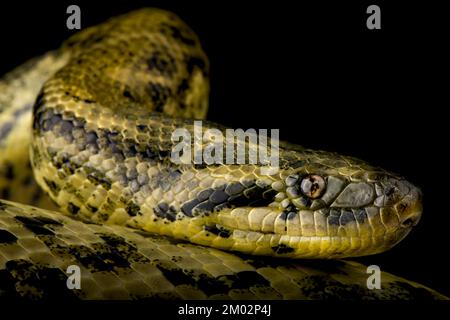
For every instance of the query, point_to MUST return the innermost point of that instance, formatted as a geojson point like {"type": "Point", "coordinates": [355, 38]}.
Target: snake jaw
{"type": "Point", "coordinates": [351, 218]}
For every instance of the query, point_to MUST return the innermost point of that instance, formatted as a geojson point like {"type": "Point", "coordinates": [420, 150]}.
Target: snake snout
{"type": "Point", "coordinates": [410, 207]}
{"type": "Point", "coordinates": [403, 197]}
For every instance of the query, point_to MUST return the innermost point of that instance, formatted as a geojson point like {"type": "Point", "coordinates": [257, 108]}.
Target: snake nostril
{"type": "Point", "coordinates": [412, 220]}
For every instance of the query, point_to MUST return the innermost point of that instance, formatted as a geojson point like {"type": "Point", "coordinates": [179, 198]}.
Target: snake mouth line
{"type": "Point", "coordinates": [325, 246]}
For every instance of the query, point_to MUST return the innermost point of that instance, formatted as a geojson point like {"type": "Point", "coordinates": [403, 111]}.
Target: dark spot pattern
{"type": "Point", "coordinates": [321, 287]}
{"type": "Point", "coordinates": [232, 195]}
{"type": "Point", "coordinates": [108, 140]}
{"type": "Point", "coordinates": [7, 237]}
{"type": "Point", "coordinates": [111, 255]}
{"type": "Point", "coordinates": [182, 34]}
{"type": "Point", "coordinates": [347, 217]}
{"type": "Point", "coordinates": [159, 95]}
{"type": "Point", "coordinates": [282, 249]}
{"type": "Point", "coordinates": [218, 230]}
{"type": "Point", "coordinates": [289, 213]}
{"type": "Point", "coordinates": [163, 210]}
{"type": "Point", "coordinates": [25, 279]}
{"type": "Point", "coordinates": [97, 177]}
{"type": "Point", "coordinates": [333, 218]}
{"type": "Point", "coordinates": [8, 170]}
{"type": "Point", "coordinates": [73, 209]}
{"type": "Point", "coordinates": [165, 64]}
{"type": "Point", "coordinates": [196, 63]}
{"type": "Point", "coordinates": [54, 188]}
{"type": "Point", "coordinates": [39, 225]}
{"type": "Point", "coordinates": [244, 280]}
{"type": "Point", "coordinates": [133, 209]}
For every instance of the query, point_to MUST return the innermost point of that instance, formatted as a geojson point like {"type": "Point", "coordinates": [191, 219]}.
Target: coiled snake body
{"type": "Point", "coordinates": [101, 111]}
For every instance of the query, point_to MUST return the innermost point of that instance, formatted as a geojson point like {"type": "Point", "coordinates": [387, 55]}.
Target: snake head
{"type": "Point", "coordinates": [325, 205]}
{"type": "Point", "coordinates": [347, 207]}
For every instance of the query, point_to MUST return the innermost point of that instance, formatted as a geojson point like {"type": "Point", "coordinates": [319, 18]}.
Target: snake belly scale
{"type": "Point", "coordinates": [90, 126]}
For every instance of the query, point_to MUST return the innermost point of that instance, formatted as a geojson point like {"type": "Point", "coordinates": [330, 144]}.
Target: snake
{"type": "Point", "coordinates": [87, 179]}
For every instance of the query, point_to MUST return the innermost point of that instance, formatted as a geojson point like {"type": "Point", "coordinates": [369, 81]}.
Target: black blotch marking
{"type": "Point", "coordinates": [183, 35]}
{"type": "Point", "coordinates": [38, 104]}
{"type": "Point", "coordinates": [163, 63]}
{"type": "Point", "coordinates": [347, 217]}
{"type": "Point", "coordinates": [97, 177]}
{"type": "Point", "coordinates": [54, 188]}
{"type": "Point", "coordinates": [204, 194]}
{"type": "Point", "coordinates": [234, 188]}
{"type": "Point", "coordinates": [8, 286]}
{"type": "Point", "coordinates": [7, 237]}
{"type": "Point", "coordinates": [159, 95]}
{"type": "Point", "coordinates": [244, 280]}
{"type": "Point", "coordinates": [38, 225]}
{"type": "Point", "coordinates": [282, 249]}
{"type": "Point", "coordinates": [9, 171]}
{"type": "Point", "coordinates": [289, 212]}
{"type": "Point", "coordinates": [196, 62]}
{"type": "Point", "coordinates": [405, 291]}
{"type": "Point", "coordinates": [252, 195]}
{"type": "Point", "coordinates": [133, 209]}
{"type": "Point", "coordinates": [142, 127]}
{"type": "Point", "coordinates": [91, 208]}
{"type": "Point", "coordinates": [284, 215]}
{"type": "Point", "coordinates": [45, 220]}
{"type": "Point", "coordinates": [305, 201]}
{"type": "Point", "coordinates": [204, 207]}
{"type": "Point", "coordinates": [211, 286]}
{"type": "Point", "coordinates": [216, 199]}
{"type": "Point", "coordinates": [333, 218]}
{"type": "Point", "coordinates": [248, 279]}
{"type": "Point", "coordinates": [127, 94]}
{"type": "Point", "coordinates": [183, 87]}
{"type": "Point", "coordinates": [218, 230]}
{"type": "Point", "coordinates": [187, 207]}
{"type": "Point", "coordinates": [47, 283]}
{"type": "Point", "coordinates": [4, 194]}
{"type": "Point", "coordinates": [200, 166]}
{"type": "Point", "coordinates": [62, 161]}
{"type": "Point", "coordinates": [269, 194]}
{"type": "Point", "coordinates": [109, 255]}
{"type": "Point", "coordinates": [88, 101]}
{"type": "Point", "coordinates": [73, 209]}
{"type": "Point", "coordinates": [176, 276]}
{"type": "Point", "coordinates": [218, 196]}
{"type": "Point", "coordinates": [322, 287]}
{"type": "Point", "coordinates": [163, 210]}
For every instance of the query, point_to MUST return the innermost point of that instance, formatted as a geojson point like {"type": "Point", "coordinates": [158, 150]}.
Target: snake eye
{"type": "Point", "coordinates": [313, 186]}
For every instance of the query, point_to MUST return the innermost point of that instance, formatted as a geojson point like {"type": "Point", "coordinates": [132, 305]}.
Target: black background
{"type": "Point", "coordinates": [319, 75]}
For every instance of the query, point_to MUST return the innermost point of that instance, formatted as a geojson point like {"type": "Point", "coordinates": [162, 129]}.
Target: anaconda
{"type": "Point", "coordinates": [90, 125]}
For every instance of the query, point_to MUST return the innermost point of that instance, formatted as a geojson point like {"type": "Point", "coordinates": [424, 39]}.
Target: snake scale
{"type": "Point", "coordinates": [88, 127]}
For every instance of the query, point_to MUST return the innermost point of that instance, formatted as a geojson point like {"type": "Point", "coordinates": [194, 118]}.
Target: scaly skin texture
{"type": "Point", "coordinates": [100, 147]}
{"type": "Point", "coordinates": [37, 247]}
{"type": "Point", "coordinates": [102, 142]}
